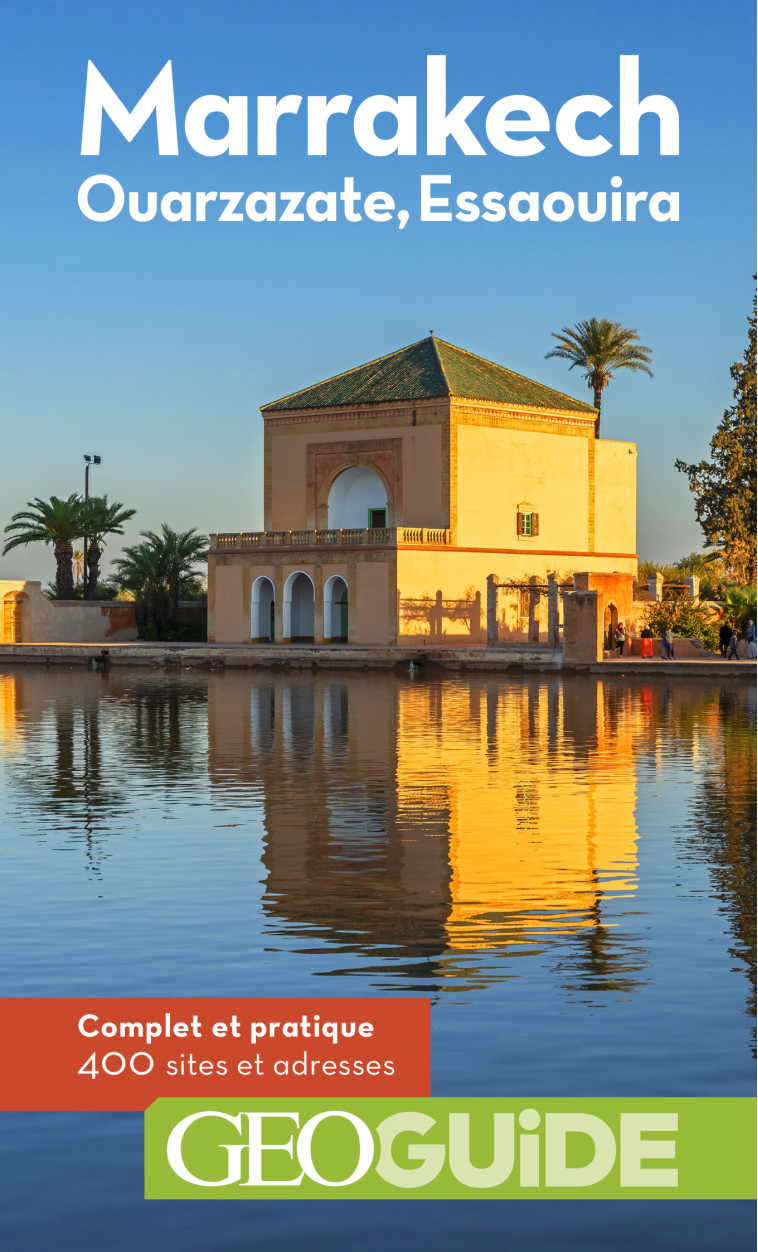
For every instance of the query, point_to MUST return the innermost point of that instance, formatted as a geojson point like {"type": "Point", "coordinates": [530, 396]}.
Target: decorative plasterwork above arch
{"type": "Point", "coordinates": [325, 461]}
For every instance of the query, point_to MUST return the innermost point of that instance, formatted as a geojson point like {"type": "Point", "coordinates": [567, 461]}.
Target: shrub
{"type": "Point", "coordinates": [685, 618]}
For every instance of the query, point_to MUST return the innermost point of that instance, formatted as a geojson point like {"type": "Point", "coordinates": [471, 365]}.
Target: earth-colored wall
{"type": "Point", "coordinates": [419, 498]}
{"type": "Point", "coordinates": [67, 621]}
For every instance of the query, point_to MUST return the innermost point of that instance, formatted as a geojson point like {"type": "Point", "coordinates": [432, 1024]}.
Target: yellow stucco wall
{"type": "Point", "coordinates": [500, 468]}
{"type": "Point", "coordinates": [615, 496]}
{"type": "Point", "coordinates": [459, 575]}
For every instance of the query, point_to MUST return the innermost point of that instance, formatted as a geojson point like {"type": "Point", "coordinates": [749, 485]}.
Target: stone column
{"type": "Point", "coordinates": [278, 581]}
{"type": "Point", "coordinates": [534, 610]}
{"type": "Point", "coordinates": [552, 611]}
{"type": "Point", "coordinates": [693, 587]}
{"type": "Point", "coordinates": [317, 573]}
{"type": "Point", "coordinates": [491, 609]}
{"type": "Point", "coordinates": [582, 636]}
{"type": "Point", "coordinates": [655, 586]}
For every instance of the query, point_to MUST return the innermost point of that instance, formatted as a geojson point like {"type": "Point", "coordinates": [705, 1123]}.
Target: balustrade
{"type": "Point", "coordinates": [349, 537]}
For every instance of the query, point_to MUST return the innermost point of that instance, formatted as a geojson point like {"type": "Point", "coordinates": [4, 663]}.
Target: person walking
{"type": "Point", "coordinates": [668, 644]}
{"type": "Point", "coordinates": [733, 648]}
{"type": "Point", "coordinates": [752, 648]}
{"type": "Point", "coordinates": [725, 635]}
{"type": "Point", "coordinates": [620, 638]}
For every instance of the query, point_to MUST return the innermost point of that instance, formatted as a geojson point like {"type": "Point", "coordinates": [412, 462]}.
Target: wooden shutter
{"type": "Point", "coordinates": [519, 523]}
{"type": "Point", "coordinates": [535, 523]}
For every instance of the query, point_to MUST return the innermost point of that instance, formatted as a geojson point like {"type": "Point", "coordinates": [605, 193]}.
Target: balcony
{"type": "Point", "coordinates": [383, 536]}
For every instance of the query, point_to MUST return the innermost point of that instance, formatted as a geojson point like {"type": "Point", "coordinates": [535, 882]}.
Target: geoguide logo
{"type": "Point", "coordinates": [447, 1148]}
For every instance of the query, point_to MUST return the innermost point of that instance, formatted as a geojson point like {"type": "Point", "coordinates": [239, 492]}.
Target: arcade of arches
{"type": "Point", "coordinates": [298, 609]}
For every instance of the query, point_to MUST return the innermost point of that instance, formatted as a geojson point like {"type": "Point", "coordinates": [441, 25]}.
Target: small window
{"type": "Point", "coordinates": [527, 524]}
{"type": "Point", "coordinates": [377, 518]}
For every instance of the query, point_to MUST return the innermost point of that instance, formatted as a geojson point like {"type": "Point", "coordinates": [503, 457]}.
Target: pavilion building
{"type": "Point", "coordinates": [393, 490]}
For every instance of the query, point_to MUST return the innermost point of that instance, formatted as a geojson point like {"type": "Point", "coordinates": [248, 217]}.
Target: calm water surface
{"type": "Point", "coordinates": [565, 867]}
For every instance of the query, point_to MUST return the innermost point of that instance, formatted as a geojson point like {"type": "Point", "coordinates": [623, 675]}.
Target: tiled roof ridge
{"type": "Point", "coordinates": [439, 360]}
{"type": "Point", "coordinates": [345, 373]}
{"type": "Point", "coordinates": [532, 381]}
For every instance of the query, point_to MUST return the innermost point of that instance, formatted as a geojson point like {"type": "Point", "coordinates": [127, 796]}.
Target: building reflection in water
{"type": "Point", "coordinates": [432, 821]}
{"type": "Point", "coordinates": [438, 829]}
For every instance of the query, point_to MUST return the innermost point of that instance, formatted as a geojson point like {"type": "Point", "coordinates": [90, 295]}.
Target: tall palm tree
{"type": "Point", "coordinates": [157, 569]}
{"type": "Point", "coordinates": [102, 519]}
{"type": "Point", "coordinates": [600, 347]}
{"type": "Point", "coordinates": [53, 521]}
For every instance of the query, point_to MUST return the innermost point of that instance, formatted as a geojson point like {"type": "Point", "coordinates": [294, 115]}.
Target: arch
{"type": "Point", "coordinates": [262, 610]}
{"type": "Point", "coordinates": [610, 622]}
{"type": "Point", "coordinates": [298, 608]}
{"type": "Point", "coordinates": [16, 617]}
{"type": "Point", "coordinates": [335, 609]}
{"type": "Point", "coordinates": [353, 494]}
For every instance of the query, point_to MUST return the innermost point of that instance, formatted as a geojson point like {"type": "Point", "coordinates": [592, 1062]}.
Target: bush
{"type": "Point", "coordinates": [187, 632]}
{"type": "Point", "coordinates": [685, 618]}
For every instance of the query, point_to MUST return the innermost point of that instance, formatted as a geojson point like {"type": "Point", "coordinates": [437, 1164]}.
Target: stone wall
{"type": "Point", "coordinates": [29, 617]}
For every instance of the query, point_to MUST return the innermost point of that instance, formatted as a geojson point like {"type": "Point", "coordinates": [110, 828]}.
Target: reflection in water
{"type": "Point", "coordinates": [440, 830]}
{"type": "Point", "coordinates": [564, 867]}
{"type": "Point", "coordinates": [722, 834]}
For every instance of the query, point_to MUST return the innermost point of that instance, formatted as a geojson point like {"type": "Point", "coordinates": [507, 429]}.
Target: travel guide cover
{"type": "Point", "coordinates": [377, 638]}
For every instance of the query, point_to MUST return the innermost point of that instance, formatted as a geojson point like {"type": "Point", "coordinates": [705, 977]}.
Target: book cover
{"type": "Point", "coordinates": [377, 652]}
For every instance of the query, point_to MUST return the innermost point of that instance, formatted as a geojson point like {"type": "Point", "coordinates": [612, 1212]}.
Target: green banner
{"type": "Point", "coordinates": [449, 1149]}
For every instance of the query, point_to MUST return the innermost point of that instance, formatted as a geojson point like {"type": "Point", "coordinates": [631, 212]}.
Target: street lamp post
{"type": "Point", "coordinates": [88, 461]}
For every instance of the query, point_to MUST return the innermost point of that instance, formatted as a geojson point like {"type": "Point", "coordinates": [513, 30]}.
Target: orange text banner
{"type": "Point", "coordinates": [105, 1053]}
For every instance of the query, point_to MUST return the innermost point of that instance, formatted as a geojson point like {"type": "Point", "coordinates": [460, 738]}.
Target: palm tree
{"type": "Point", "coordinates": [599, 347]}
{"type": "Point", "coordinates": [138, 571]}
{"type": "Point", "coordinates": [157, 569]}
{"type": "Point", "coordinates": [103, 519]}
{"type": "Point", "coordinates": [182, 552]}
{"type": "Point", "coordinates": [78, 564]}
{"type": "Point", "coordinates": [53, 521]}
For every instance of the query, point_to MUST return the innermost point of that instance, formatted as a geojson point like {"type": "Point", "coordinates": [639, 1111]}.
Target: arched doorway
{"type": "Point", "coordinates": [335, 609]}
{"type": "Point", "coordinates": [298, 609]}
{"type": "Point", "coordinates": [610, 622]}
{"type": "Point", "coordinates": [262, 611]}
{"type": "Point", "coordinates": [357, 499]}
{"type": "Point", "coordinates": [15, 617]}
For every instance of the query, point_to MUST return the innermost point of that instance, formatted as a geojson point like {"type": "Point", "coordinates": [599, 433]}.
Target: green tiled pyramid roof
{"type": "Point", "coordinates": [428, 370]}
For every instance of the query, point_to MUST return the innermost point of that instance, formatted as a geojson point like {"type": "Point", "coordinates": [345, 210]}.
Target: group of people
{"type": "Point", "coordinates": [728, 641]}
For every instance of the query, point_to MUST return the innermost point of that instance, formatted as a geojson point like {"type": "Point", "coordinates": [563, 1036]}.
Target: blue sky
{"type": "Point", "coordinates": [155, 344]}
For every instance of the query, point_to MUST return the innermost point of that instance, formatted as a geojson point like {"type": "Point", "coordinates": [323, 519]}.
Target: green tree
{"type": "Point", "coordinates": [102, 519]}
{"type": "Point", "coordinates": [156, 570]}
{"type": "Point", "coordinates": [600, 347]}
{"type": "Point", "coordinates": [725, 487]}
{"type": "Point", "coordinates": [56, 522]}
